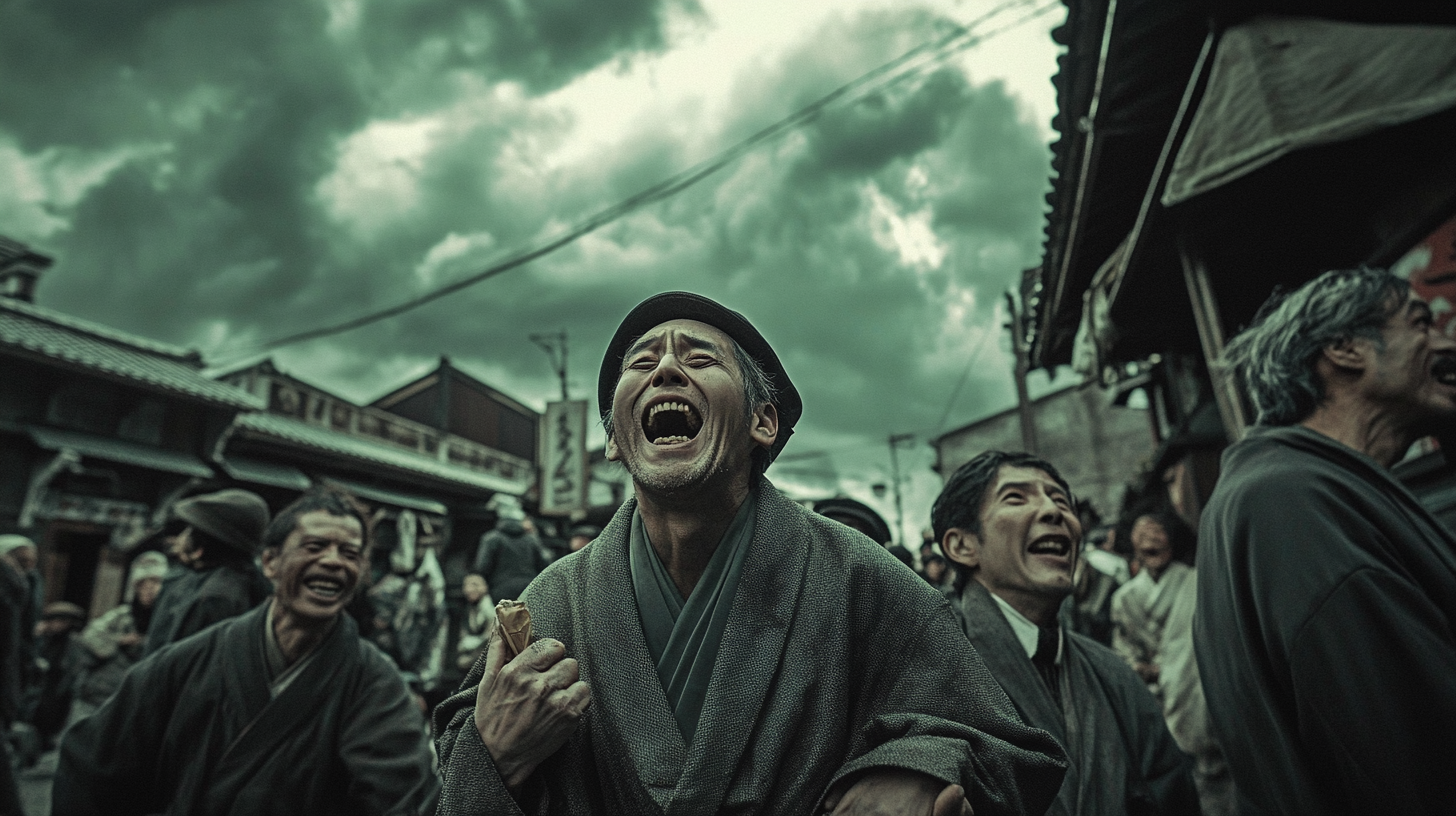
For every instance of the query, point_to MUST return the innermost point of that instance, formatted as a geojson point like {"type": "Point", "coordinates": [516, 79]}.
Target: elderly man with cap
{"type": "Point", "coordinates": [218, 579]}
{"type": "Point", "coordinates": [721, 648]}
{"type": "Point", "coordinates": [281, 710]}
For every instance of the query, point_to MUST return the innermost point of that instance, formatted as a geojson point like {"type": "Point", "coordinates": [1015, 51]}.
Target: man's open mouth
{"type": "Point", "coordinates": [1051, 545]}
{"type": "Point", "coordinates": [327, 588]}
{"type": "Point", "coordinates": [1444, 370]}
{"type": "Point", "coordinates": [668, 423]}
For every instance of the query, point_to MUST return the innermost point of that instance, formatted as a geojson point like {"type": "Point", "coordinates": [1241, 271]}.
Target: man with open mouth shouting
{"type": "Point", "coordinates": [1325, 629]}
{"type": "Point", "coordinates": [1008, 522]}
{"type": "Point", "coordinates": [719, 647]}
{"type": "Point", "coordinates": [282, 710]}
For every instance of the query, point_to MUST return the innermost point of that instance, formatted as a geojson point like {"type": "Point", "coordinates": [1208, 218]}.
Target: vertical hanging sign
{"type": "Point", "coordinates": [563, 458]}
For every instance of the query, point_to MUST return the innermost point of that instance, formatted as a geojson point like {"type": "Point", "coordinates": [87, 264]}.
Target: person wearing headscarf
{"type": "Point", "coordinates": [219, 579]}
{"type": "Point", "coordinates": [114, 641]}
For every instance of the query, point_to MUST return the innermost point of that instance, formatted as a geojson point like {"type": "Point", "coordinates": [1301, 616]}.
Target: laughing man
{"type": "Point", "coordinates": [718, 648]}
{"type": "Point", "coordinates": [1009, 523]}
{"type": "Point", "coordinates": [282, 710]}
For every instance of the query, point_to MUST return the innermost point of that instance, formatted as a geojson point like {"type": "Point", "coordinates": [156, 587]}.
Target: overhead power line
{"type": "Point", "coordinates": [907, 65]}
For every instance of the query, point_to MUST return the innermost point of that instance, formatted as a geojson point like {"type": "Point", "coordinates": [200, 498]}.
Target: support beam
{"type": "Point", "coordinates": [1226, 389]}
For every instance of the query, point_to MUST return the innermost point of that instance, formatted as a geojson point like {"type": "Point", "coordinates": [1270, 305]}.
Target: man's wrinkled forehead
{"type": "Point", "coordinates": [691, 333]}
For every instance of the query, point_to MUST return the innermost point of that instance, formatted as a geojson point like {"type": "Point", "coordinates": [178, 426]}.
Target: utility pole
{"type": "Point", "coordinates": [895, 440]}
{"type": "Point", "coordinates": [554, 344]}
{"type": "Point", "coordinates": [1017, 326]}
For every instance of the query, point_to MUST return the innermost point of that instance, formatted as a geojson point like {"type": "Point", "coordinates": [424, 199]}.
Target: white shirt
{"type": "Point", "coordinates": [1025, 630]}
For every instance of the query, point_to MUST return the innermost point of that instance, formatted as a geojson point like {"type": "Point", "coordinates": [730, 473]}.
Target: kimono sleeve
{"type": "Point", "coordinates": [929, 704]}
{"type": "Point", "coordinates": [470, 783]}
{"type": "Point", "coordinates": [1373, 674]}
{"type": "Point", "coordinates": [107, 762]}
{"type": "Point", "coordinates": [385, 746]}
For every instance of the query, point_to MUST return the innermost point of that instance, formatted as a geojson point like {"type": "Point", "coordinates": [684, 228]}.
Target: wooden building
{"type": "Point", "coordinates": [1210, 151]}
{"type": "Point", "coordinates": [100, 431]}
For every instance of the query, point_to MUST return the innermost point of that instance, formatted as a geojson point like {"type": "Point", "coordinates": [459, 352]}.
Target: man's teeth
{"type": "Point", "coordinates": [324, 587]}
{"type": "Point", "coordinates": [669, 440]}
{"type": "Point", "coordinates": [1051, 546]}
{"type": "Point", "coordinates": [667, 406]}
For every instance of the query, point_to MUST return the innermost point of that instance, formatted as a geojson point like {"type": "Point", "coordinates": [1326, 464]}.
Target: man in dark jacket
{"type": "Point", "coordinates": [218, 579]}
{"type": "Point", "coordinates": [1325, 629]}
{"type": "Point", "coordinates": [1009, 523]}
{"type": "Point", "coordinates": [509, 557]}
{"type": "Point", "coordinates": [281, 710]}
{"type": "Point", "coordinates": [729, 650]}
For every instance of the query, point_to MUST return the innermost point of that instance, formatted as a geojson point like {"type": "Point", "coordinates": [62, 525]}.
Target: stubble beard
{"type": "Point", "coordinates": [673, 478]}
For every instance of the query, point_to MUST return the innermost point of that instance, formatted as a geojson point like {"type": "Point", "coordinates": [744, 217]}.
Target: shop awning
{"type": "Point", "coordinates": [120, 451]}
{"type": "Point", "coordinates": [1280, 84]}
{"type": "Point", "coordinates": [260, 472]}
{"type": "Point", "coordinates": [388, 496]}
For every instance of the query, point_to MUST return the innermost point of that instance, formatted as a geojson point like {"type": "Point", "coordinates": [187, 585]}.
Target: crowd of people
{"type": "Point", "coordinates": [720, 648]}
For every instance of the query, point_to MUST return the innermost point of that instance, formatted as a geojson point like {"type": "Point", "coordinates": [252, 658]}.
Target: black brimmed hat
{"type": "Point", "coordinates": [235, 517]}
{"type": "Point", "coordinates": [659, 309]}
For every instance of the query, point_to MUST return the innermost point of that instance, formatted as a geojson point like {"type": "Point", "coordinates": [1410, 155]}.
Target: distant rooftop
{"type": "Point", "coordinates": [27, 330]}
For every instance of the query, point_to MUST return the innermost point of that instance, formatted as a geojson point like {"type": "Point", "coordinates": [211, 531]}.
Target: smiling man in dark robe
{"type": "Point", "coordinates": [1325, 629]}
{"type": "Point", "coordinates": [283, 710]}
{"type": "Point", "coordinates": [719, 648]}
{"type": "Point", "coordinates": [1009, 522]}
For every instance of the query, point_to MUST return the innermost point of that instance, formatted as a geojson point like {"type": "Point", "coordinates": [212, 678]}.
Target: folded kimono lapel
{"type": "Point", "coordinates": [1004, 655]}
{"type": "Point", "coordinates": [625, 688]}
{"type": "Point", "coordinates": [280, 717]}
{"type": "Point", "coordinates": [244, 674]}
{"type": "Point", "coordinates": [751, 653]}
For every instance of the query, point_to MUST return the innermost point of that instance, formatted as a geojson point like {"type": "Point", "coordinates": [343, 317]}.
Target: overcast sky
{"type": "Point", "coordinates": [217, 174]}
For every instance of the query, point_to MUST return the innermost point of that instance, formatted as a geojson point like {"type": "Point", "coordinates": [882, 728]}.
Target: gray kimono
{"type": "Point", "coordinates": [835, 660]}
{"type": "Point", "coordinates": [1122, 759]}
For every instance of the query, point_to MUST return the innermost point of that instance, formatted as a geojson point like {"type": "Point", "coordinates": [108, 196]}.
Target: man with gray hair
{"type": "Point", "coordinates": [719, 648]}
{"type": "Point", "coordinates": [1325, 629]}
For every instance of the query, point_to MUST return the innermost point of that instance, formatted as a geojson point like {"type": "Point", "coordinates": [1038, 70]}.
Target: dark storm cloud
{"type": "Point", "coordinates": [299, 164]}
{"type": "Point", "coordinates": [791, 236]}
{"type": "Point", "coordinates": [232, 113]}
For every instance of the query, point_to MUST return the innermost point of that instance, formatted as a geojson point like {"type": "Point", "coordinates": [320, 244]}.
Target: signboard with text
{"type": "Point", "coordinates": [563, 458]}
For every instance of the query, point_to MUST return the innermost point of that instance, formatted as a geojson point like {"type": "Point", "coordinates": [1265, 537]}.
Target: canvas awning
{"type": "Point", "coordinates": [1279, 84]}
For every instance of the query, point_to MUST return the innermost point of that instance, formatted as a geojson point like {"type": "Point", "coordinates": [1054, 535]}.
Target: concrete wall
{"type": "Point", "coordinates": [1098, 447]}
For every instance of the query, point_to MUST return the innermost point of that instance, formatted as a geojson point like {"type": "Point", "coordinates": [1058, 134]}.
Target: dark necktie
{"type": "Point", "coordinates": [1048, 639]}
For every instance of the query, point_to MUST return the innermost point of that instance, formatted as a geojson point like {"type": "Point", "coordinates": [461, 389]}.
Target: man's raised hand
{"type": "Point", "coordinates": [527, 708]}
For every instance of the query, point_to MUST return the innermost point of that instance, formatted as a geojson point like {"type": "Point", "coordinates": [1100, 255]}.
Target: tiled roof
{"type": "Point", "coordinates": [313, 437]}
{"type": "Point", "coordinates": [111, 353]}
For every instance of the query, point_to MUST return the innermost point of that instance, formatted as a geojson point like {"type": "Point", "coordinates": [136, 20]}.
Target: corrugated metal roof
{"type": "Point", "coordinates": [109, 352]}
{"type": "Point", "coordinates": [275, 427]}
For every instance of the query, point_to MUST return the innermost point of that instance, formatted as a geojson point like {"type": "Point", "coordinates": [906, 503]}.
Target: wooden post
{"type": "Point", "coordinates": [1210, 334]}
{"type": "Point", "coordinates": [1022, 366]}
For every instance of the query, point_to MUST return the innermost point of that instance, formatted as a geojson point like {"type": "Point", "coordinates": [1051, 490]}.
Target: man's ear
{"type": "Point", "coordinates": [613, 454]}
{"type": "Point", "coordinates": [269, 559]}
{"type": "Point", "coordinates": [1351, 355]}
{"type": "Point", "coordinates": [962, 546]}
{"type": "Point", "coordinates": [765, 428]}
